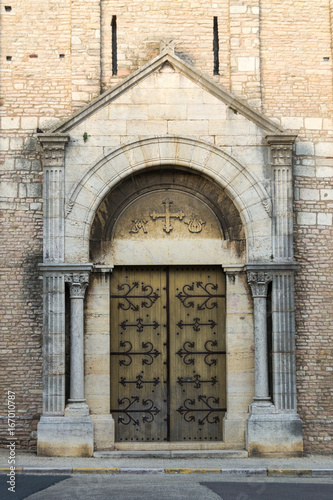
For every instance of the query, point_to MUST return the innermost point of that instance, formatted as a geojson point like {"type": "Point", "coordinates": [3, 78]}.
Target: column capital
{"type": "Point", "coordinates": [259, 281]}
{"type": "Point", "coordinates": [281, 149]}
{"type": "Point", "coordinates": [78, 282]}
{"type": "Point", "coordinates": [53, 148]}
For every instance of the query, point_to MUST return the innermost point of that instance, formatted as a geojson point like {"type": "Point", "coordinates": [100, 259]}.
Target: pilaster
{"type": "Point", "coordinates": [97, 357]}
{"type": "Point", "coordinates": [239, 359]}
{"type": "Point", "coordinates": [282, 196]}
{"type": "Point", "coordinates": [53, 196]}
{"type": "Point", "coordinates": [53, 343]}
{"type": "Point", "coordinates": [283, 336]}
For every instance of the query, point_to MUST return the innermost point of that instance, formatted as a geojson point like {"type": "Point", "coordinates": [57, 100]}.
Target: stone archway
{"type": "Point", "coordinates": [130, 228]}
{"type": "Point", "coordinates": [247, 193]}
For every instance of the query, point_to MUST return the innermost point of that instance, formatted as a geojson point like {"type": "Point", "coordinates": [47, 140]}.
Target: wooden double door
{"type": "Point", "coordinates": [168, 370]}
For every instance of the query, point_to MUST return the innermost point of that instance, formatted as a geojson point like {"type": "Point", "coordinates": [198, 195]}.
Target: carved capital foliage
{"type": "Point", "coordinates": [53, 149]}
{"type": "Point", "coordinates": [259, 282]}
{"type": "Point", "coordinates": [78, 283]}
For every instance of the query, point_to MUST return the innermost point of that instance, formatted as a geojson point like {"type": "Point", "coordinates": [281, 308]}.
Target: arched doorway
{"type": "Point", "coordinates": [169, 235]}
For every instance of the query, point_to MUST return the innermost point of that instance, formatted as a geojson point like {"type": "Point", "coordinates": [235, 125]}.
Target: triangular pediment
{"type": "Point", "coordinates": [166, 62]}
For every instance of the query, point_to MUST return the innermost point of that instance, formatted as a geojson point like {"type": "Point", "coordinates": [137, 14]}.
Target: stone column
{"type": "Point", "coordinates": [259, 284]}
{"type": "Point", "coordinates": [78, 282]}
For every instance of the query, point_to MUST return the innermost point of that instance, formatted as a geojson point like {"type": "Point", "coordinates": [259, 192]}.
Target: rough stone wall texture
{"type": "Point", "coordinates": [20, 295]}
{"type": "Point", "coordinates": [56, 56]}
{"type": "Point", "coordinates": [314, 296]}
{"type": "Point", "coordinates": [296, 40]}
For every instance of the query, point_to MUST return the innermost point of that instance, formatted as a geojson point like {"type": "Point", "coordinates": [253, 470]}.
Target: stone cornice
{"type": "Point", "coordinates": [100, 268]}
{"type": "Point", "coordinates": [185, 69]}
{"type": "Point", "coordinates": [65, 268]}
{"type": "Point", "coordinates": [281, 139]}
{"type": "Point", "coordinates": [55, 140]}
{"type": "Point", "coordinates": [233, 268]}
{"type": "Point", "coordinates": [271, 266]}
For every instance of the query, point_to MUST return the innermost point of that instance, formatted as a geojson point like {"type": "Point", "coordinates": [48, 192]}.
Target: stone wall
{"type": "Point", "coordinates": [56, 56]}
{"type": "Point", "coordinates": [20, 292]}
{"type": "Point", "coordinates": [314, 294]}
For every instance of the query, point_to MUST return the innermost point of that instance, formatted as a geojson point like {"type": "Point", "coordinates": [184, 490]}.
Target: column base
{"type": "Point", "coordinates": [274, 434]}
{"type": "Point", "coordinates": [261, 406]}
{"type": "Point", "coordinates": [65, 437]}
{"type": "Point", "coordinates": [103, 432]}
{"type": "Point", "coordinates": [76, 409]}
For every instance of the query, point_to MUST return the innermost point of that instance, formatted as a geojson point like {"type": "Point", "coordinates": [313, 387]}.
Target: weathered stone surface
{"type": "Point", "coordinates": [65, 436]}
{"type": "Point", "coordinates": [274, 435]}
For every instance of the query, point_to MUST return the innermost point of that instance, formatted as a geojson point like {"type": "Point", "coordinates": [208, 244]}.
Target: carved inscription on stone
{"type": "Point", "coordinates": [139, 224]}
{"type": "Point", "coordinates": [195, 225]}
{"type": "Point", "coordinates": [168, 214]}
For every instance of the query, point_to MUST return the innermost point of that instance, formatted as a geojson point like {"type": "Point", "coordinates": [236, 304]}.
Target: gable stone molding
{"type": "Point", "coordinates": [235, 103]}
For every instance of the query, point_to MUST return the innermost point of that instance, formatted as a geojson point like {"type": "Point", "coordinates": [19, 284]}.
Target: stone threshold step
{"type": "Point", "coordinates": [222, 454]}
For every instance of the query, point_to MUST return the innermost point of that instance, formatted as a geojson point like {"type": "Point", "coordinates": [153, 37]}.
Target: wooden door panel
{"type": "Point", "coordinates": [197, 353]}
{"type": "Point", "coordinates": [139, 354]}
{"type": "Point", "coordinates": [168, 353]}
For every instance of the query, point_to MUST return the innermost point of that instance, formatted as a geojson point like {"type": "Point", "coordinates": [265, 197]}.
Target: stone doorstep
{"type": "Point", "coordinates": [172, 454]}
{"type": "Point", "coordinates": [140, 470]}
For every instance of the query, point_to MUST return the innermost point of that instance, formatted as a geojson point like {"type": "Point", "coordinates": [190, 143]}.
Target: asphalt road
{"type": "Point", "coordinates": [164, 487]}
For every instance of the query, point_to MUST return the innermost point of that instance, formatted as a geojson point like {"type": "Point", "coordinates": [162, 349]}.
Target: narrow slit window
{"type": "Point", "coordinates": [216, 47]}
{"type": "Point", "coordinates": [114, 45]}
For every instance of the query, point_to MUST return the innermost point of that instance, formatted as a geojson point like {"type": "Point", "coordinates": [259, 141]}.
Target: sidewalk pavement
{"type": "Point", "coordinates": [170, 462]}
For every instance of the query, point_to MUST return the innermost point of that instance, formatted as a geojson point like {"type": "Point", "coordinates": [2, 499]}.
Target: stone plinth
{"type": "Point", "coordinates": [65, 437]}
{"type": "Point", "coordinates": [275, 434]}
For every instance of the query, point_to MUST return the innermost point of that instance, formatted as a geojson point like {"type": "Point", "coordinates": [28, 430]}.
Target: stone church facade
{"type": "Point", "coordinates": [166, 223]}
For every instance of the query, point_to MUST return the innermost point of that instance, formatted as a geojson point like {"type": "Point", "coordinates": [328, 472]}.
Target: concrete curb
{"type": "Point", "coordinates": [266, 472]}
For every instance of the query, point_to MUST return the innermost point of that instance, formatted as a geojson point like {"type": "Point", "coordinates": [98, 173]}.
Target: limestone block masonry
{"type": "Point", "coordinates": [230, 102]}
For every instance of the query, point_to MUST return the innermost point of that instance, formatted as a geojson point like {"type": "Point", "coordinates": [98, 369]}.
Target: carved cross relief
{"type": "Point", "coordinates": [167, 227]}
{"type": "Point", "coordinates": [195, 225]}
